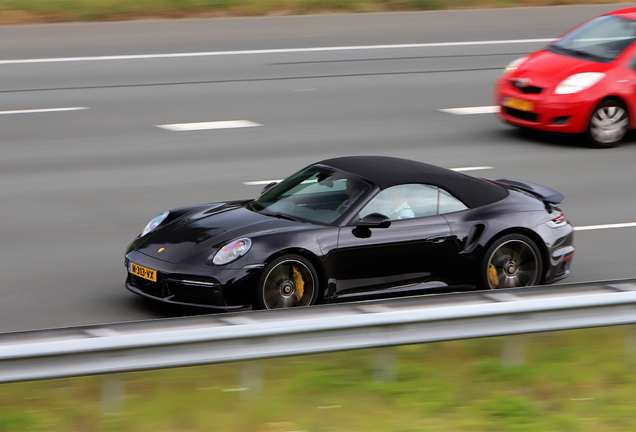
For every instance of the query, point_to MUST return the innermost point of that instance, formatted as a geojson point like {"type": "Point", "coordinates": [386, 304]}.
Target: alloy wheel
{"type": "Point", "coordinates": [609, 124]}
{"type": "Point", "coordinates": [289, 283]}
{"type": "Point", "coordinates": [513, 264]}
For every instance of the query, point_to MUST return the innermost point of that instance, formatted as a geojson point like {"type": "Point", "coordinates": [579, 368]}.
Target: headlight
{"type": "Point", "coordinates": [232, 251]}
{"type": "Point", "coordinates": [154, 223]}
{"type": "Point", "coordinates": [513, 65]}
{"type": "Point", "coordinates": [578, 82]}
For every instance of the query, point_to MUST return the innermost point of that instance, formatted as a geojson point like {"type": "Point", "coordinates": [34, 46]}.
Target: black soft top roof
{"type": "Point", "coordinates": [389, 171]}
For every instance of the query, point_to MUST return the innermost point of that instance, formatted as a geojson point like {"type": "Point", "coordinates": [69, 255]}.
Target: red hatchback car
{"type": "Point", "coordinates": [584, 82]}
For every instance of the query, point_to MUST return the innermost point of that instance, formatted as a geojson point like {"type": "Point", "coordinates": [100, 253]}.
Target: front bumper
{"type": "Point", "coordinates": [221, 289]}
{"type": "Point", "coordinates": [550, 112]}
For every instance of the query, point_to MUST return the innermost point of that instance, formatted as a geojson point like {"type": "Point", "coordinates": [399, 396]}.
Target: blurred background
{"type": "Point", "coordinates": [84, 165]}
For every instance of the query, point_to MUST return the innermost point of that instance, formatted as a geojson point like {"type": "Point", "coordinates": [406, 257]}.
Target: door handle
{"type": "Point", "coordinates": [436, 239]}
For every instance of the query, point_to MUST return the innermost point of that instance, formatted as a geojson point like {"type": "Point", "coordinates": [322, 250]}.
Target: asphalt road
{"type": "Point", "coordinates": [79, 185]}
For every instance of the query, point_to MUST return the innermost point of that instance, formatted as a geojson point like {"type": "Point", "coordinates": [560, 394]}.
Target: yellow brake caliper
{"type": "Point", "coordinates": [492, 273]}
{"type": "Point", "coordinates": [298, 282]}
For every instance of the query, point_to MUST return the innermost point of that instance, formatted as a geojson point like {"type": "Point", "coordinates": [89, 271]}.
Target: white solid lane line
{"type": "Point", "coordinates": [181, 127]}
{"type": "Point", "coordinates": [44, 110]}
{"type": "Point", "coordinates": [472, 110]}
{"type": "Point", "coordinates": [266, 182]}
{"type": "Point", "coordinates": [608, 226]}
{"type": "Point", "coordinates": [272, 51]}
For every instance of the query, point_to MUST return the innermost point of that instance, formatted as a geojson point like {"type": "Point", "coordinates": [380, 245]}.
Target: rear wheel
{"type": "Point", "coordinates": [288, 281]}
{"type": "Point", "coordinates": [609, 123]}
{"type": "Point", "coordinates": [512, 261]}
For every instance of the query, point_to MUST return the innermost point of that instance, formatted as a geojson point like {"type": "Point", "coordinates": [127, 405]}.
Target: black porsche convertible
{"type": "Point", "coordinates": [354, 228]}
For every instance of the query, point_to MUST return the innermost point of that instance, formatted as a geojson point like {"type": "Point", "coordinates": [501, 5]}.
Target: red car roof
{"type": "Point", "coordinates": [625, 13]}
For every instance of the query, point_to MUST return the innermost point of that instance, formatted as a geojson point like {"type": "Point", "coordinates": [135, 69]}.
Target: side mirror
{"type": "Point", "coordinates": [268, 187]}
{"type": "Point", "coordinates": [374, 220]}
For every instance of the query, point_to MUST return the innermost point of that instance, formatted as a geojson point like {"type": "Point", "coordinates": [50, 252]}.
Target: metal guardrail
{"type": "Point", "coordinates": [238, 336]}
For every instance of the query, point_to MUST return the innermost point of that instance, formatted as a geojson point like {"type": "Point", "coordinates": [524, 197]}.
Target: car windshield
{"type": "Point", "coordinates": [316, 194]}
{"type": "Point", "coordinates": [600, 40]}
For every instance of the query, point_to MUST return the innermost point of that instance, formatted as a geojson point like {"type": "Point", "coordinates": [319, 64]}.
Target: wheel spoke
{"type": "Point", "coordinates": [286, 302]}
{"type": "Point", "coordinates": [279, 271]}
{"type": "Point", "coordinates": [279, 303]}
{"type": "Point", "coordinates": [518, 254]}
{"type": "Point", "coordinates": [619, 114]}
{"type": "Point", "coordinates": [526, 277]}
{"type": "Point", "coordinates": [271, 297]}
{"type": "Point", "coordinates": [525, 257]}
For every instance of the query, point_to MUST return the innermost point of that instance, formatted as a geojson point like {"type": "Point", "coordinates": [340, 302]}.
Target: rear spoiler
{"type": "Point", "coordinates": [544, 193]}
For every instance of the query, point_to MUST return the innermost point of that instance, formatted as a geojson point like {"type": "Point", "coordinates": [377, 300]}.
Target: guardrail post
{"type": "Point", "coordinates": [385, 365]}
{"type": "Point", "coordinates": [514, 350]}
{"type": "Point", "coordinates": [252, 378]}
{"type": "Point", "coordinates": [113, 393]}
{"type": "Point", "coordinates": [630, 343]}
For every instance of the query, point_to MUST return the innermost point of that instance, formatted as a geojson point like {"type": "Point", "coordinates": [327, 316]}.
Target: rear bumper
{"type": "Point", "coordinates": [560, 254]}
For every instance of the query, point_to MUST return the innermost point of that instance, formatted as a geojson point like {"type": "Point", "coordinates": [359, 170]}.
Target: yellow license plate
{"type": "Point", "coordinates": [519, 104]}
{"type": "Point", "coordinates": [142, 272]}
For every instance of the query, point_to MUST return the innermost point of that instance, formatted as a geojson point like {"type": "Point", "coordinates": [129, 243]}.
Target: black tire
{"type": "Point", "coordinates": [513, 260]}
{"type": "Point", "coordinates": [288, 281]}
{"type": "Point", "coordinates": [608, 124]}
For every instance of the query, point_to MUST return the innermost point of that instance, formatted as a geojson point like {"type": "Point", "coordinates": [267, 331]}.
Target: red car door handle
{"type": "Point", "coordinates": [436, 239]}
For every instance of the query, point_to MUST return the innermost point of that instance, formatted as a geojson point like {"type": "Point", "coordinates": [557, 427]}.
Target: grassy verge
{"type": "Point", "coordinates": [36, 11]}
{"type": "Point", "coordinates": [569, 381]}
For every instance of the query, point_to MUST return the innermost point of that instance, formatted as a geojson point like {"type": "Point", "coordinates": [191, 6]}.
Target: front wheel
{"type": "Point", "coordinates": [288, 281]}
{"type": "Point", "coordinates": [512, 261]}
{"type": "Point", "coordinates": [609, 123]}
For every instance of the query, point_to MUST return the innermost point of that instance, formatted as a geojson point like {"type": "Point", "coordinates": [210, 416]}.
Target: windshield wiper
{"type": "Point", "coordinates": [580, 53]}
{"type": "Point", "coordinates": [281, 216]}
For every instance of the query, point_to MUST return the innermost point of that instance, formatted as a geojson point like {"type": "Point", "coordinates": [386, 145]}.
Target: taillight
{"type": "Point", "coordinates": [557, 221]}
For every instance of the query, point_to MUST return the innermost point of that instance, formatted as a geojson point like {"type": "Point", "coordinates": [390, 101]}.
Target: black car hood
{"type": "Point", "coordinates": [207, 230]}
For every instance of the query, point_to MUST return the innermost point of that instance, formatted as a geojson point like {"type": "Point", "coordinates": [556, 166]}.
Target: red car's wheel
{"type": "Point", "coordinates": [609, 123]}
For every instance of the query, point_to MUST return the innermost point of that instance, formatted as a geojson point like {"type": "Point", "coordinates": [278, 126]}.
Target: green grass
{"type": "Point", "coordinates": [30, 11]}
{"type": "Point", "coordinates": [570, 381]}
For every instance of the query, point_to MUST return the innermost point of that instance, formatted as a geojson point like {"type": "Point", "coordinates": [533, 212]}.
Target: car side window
{"type": "Point", "coordinates": [404, 202]}
{"type": "Point", "coordinates": [449, 204]}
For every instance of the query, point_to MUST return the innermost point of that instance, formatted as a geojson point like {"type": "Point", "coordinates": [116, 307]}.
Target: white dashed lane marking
{"type": "Point", "coordinates": [43, 110]}
{"type": "Point", "coordinates": [471, 110]}
{"type": "Point", "coordinates": [183, 127]}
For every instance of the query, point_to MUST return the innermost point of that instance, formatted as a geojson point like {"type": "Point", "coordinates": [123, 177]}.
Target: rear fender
{"type": "Point", "coordinates": [536, 238]}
